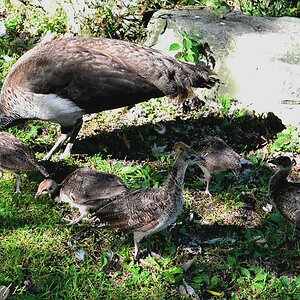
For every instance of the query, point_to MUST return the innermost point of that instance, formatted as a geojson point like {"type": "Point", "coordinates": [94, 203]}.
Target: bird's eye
{"type": "Point", "coordinates": [193, 157]}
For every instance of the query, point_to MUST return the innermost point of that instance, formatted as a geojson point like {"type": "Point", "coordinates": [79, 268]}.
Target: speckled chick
{"type": "Point", "coordinates": [285, 194]}
{"type": "Point", "coordinates": [16, 157]}
{"type": "Point", "coordinates": [218, 157]}
{"type": "Point", "coordinates": [86, 189]}
{"type": "Point", "coordinates": [147, 211]}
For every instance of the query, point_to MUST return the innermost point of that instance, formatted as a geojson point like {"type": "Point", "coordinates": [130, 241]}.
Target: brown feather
{"type": "Point", "coordinates": [285, 194]}
{"type": "Point", "coordinates": [16, 157]}
{"type": "Point", "coordinates": [85, 75]}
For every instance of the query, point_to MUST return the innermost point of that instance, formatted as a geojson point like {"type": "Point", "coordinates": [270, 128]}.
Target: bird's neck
{"type": "Point", "coordinates": [9, 108]}
{"type": "Point", "coordinates": [175, 179]}
{"type": "Point", "coordinates": [56, 193]}
{"type": "Point", "coordinates": [279, 179]}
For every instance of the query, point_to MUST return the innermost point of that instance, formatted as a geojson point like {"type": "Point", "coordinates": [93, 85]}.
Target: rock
{"type": "Point", "coordinates": [257, 58]}
{"type": "Point", "coordinates": [2, 29]}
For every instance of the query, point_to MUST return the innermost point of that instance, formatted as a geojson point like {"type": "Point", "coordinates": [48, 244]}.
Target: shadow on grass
{"type": "Point", "coordinates": [243, 132]}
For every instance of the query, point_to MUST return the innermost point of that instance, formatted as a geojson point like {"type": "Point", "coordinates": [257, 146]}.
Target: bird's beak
{"type": "Point", "coordinates": [201, 160]}
{"type": "Point", "coordinates": [38, 194]}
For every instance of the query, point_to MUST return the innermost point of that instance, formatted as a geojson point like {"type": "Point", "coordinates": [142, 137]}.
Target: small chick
{"type": "Point", "coordinates": [147, 211]}
{"type": "Point", "coordinates": [285, 194]}
{"type": "Point", "coordinates": [16, 157]}
{"type": "Point", "coordinates": [218, 157]}
{"type": "Point", "coordinates": [85, 189]}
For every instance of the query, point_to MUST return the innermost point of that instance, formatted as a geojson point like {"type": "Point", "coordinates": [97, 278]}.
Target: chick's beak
{"type": "Point", "coordinates": [201, 159]}
{"type": "Point", "coordinates": [38, 194]}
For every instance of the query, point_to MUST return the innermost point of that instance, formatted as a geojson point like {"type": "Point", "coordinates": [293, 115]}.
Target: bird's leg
{"type": "Point", "coordinates": [149, 247]}
{"type": "Point", "coordinates": [83, 213]}
{"type": "Point", "coordinates": [75, 221]}
{"type": "Point", "coordinates": [136, 239]}
{"type": "Point", "coordinates": [57, 145]}
{"type": "Point", "coordinates": [207, 192]}
{"type": "Point", "coordinates": [76, 128]}
{"type": "Point", "coordinates": [18, 189]}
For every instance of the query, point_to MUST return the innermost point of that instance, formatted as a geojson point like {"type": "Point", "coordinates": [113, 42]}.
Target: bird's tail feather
{"type": "Point", "coordinates": [200, 76]}
{"type": "Point", "coordinates": [190, 76]}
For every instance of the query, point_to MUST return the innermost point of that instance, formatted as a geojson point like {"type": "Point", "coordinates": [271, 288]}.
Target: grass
{"type": "Point", "coordinates": [225, 247]}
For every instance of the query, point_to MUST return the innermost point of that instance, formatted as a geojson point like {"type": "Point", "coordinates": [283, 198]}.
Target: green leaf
{"type": "Point", "coordinates": [214, 281]}
{"type": "Point", "coordinates": [259, 285]}
{"type": "Point", "coordinates": [245, 272]}
{"type": "Point", "coordinates": [187, 43]}
{"type": "Point", "coordinates": [174, 47]}
{"type": "Point", "coordinates": [189, 56]}
{"type": "Point", "coordinates": [240, 281]}
{"type": "Point", "coordinates": [285, 281]}
{"type": "Point", "coordinates": [260, 277]}
{"type": "Point", "coordinates": [104, 260]}
{"type": "Point", "coordinates": [178, 55]}
{"type": "Point", "coordinates": [195, 38]}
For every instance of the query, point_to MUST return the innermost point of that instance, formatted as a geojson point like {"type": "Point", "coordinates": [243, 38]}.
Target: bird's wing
{"type": "Point", "coordinates": [135, 210]}
{"type": "Point", "coordinates": [294, 194]}
{"type": "Point", "coordinates": [85, 71]}
{"type": "Point", "coordinates": [287, 200]}
{"type": "Point", "coordinates": [15, 155]}
{"type": "Point", "coordinates": [87, 186]}
{"type": "Point", "coordinates": [94, 73]}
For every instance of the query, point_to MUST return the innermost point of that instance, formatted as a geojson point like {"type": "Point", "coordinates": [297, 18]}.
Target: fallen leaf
{"type": "Point", "coordinates": [215, 293]}
{"type": "Point", "coordinates": [188, 264]}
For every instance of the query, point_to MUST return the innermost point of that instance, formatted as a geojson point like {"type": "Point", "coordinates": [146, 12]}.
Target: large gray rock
{"type": "Point", "coordinates": [2, 29]}
{"type": "Point", "coordinates": [257, 58]}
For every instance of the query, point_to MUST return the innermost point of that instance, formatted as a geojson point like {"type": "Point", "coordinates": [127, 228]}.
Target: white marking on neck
{"type": "Point", "coordinates": [59, 110]}
{"type": "Point", "coordinates": [47, 107]}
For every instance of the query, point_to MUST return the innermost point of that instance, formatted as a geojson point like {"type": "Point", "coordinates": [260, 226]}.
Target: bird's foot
{"type": "Point", "coordinates": [203, 180]}
{"type": "Point", "coordinates": [73, 222]}
{"type": "Point", "coordinates": [208, 194]}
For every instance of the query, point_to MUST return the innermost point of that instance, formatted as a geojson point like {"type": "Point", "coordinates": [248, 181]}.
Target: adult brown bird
{"type": "Point", "coordinates": [64, 79]}
{"type": "Point", "coordinates": [85, 188]}
{"type": "Point", "coordinates": [15, 156]}
{"type": "Point", "coordinates": [285, 194]}
{"type": "Point", "coordinates": [147, 211]}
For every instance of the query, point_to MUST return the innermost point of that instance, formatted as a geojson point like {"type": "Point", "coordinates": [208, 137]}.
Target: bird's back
{"type": "Point", "coordinates": [16, 156]}
{"type": "Point", "coordinates": [286, 197]}
{"type": "Point", "coordinates": [218, 155]}
{"type": "Point", "coordinates": [88, 186]}
{"type": "Point", "coordinates": [137, 210]}
{"type": "Point", "coordinates": [95, 74]}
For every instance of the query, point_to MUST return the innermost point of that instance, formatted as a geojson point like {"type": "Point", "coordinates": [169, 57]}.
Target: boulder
{"type": "Point", "coordinates": [257, 58]}
{"type": "Point", "coordinates": [2, 29]}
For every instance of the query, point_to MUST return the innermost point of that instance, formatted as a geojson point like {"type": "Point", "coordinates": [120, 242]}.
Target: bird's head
{"type": "Point", "coordinates": [281, 163]}
{"type": "Point", "coordinates": [46, 187]}
{"type": "Point", "coordinates": [186, 155]}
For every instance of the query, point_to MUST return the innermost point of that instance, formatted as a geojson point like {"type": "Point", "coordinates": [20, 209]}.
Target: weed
{"type": "Point", "coordinates": [287, 141]}
{"type": "Point", "coordinates": [192, 50]}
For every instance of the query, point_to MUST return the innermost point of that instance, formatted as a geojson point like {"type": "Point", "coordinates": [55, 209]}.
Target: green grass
{"type": "Point", "coordinates": [239, 251]}
{"type": "Point", "coordinates": [236, 249]}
